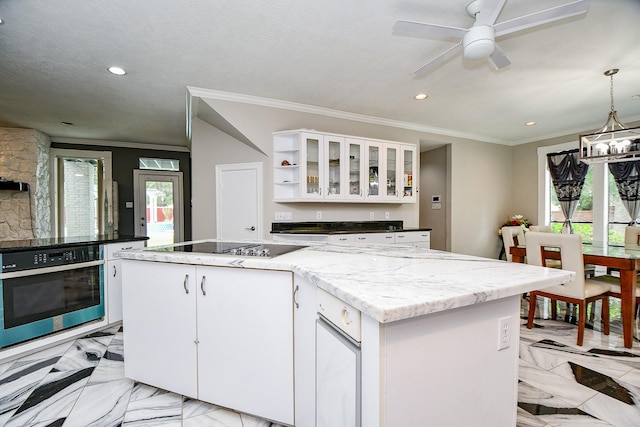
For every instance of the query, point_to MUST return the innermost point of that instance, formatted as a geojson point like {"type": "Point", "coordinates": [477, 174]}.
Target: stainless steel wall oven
{"type": "Point", "coordinates": [49, 289]}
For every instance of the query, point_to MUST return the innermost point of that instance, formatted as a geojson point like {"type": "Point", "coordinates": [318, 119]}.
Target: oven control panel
{"type": "Point", "coordinates": [30, 259]}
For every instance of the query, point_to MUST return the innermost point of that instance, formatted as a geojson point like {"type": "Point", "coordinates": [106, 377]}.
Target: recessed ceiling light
{"type": "Point", "coordinates": [421, 96]}
{"type": "Point", "coordinates": [67, 123]}
{"type": "Point", "coordinates": [1, 21]}
{"type": "Point", "coordinates": [117, 71]}
{"type": "Point", "coordinates": [532, 123]}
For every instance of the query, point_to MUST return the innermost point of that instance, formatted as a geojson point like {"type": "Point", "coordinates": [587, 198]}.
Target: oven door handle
{"type": "Point", "coordinates": [45, 270]}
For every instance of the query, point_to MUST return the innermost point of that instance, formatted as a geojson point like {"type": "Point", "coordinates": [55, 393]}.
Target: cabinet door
{"type": "Point", "coordinates": [159, 302]}
{"type": "Point", "coordinates": [245, 334]}
{"type": "Point", "coordinates": [337, 379]}
{"type": "Point", "coordinates": [113, 276]}
{"type": "Point", "coordinates": [333, 165]}
{"type": "Point", "coordinates": [354, 169]}
{"type": "Point", "coordinates": [409, 166]}
{"type": "Point", "coordinates": [391, 172]}
{"type": "Point", "coordinates": [312, 165]}
{"type": "Point", "coordinates": [373, 157]}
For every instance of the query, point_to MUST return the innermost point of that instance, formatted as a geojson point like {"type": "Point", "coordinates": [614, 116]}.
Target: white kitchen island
{"type": "Point", "coordinates": [419, 339]}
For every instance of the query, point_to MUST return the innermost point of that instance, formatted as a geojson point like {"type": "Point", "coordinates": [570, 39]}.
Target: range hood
{"type": "Point", "coordinates": [13, 185]}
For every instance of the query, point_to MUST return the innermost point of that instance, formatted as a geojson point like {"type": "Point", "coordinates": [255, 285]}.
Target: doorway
{"type": "Point", "coordinates": [239, 201]}
{"type": "Point", "coordinates": [158, 206]}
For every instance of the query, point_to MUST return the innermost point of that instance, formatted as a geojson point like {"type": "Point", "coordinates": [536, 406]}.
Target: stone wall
{"type": "Point", "coordinates": [24, 157]}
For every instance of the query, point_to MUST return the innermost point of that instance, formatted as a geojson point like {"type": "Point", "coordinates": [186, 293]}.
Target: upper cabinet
{"type": "Point", "coordinates": [311, 166]}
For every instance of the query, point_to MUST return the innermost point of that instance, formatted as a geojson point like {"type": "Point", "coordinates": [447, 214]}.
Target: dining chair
{"type": "Point", "coordinates": [541, 228]}
{"type": "Point", "coordinates": [580, 291]}
{"type": "Point", "coordinates": [632, 234]}
{"type": "Point", "coordinates": [512, 235]}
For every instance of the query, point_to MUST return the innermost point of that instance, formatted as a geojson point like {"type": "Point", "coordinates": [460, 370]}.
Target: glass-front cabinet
{"type": "Point", "coordinates": [316, 166]}
{"type": "Point", "coordinates": [312, 165]}
{"type": "Point", "coordinates": [355, 170]}
{"type": "Point", "coordinates": [408, 163]}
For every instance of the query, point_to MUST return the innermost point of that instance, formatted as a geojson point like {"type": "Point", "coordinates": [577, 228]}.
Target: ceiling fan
{"type": "Point", "coordinates": [478, 41]}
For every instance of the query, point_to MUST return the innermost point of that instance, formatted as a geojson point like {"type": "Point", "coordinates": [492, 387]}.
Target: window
{"type": "Point", "coordinates": [600, 215]}
{"type": "Point", "coordinates": [82, 192]}
{"type": "Point", "coordinates": [159, 164]}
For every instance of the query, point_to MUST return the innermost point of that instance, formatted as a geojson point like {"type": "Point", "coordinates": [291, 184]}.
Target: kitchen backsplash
{"type": "Point", "coordinates": [24, 157]}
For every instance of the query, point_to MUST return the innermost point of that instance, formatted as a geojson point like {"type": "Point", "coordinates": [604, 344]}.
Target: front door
{"type": "Point", "coordinates": [239, 201]}
{"type": "Point", "coordinates": [158, 206]}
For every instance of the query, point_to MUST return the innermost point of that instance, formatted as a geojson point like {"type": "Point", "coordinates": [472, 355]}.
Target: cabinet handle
{"type": "Point", "coordinates": [295, 296]}
{"type": "Point", "coordinates": [186, 279]}
{"type": "Point", "coordinates": [114, 271]}
{"type": "Point", "coordinates": [202, 285]}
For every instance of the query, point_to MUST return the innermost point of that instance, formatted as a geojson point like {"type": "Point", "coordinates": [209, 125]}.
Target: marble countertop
{"type": "Point", "coordinates": [388, 283]}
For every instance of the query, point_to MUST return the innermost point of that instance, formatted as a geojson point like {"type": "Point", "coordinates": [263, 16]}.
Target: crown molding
{"type": "Point", "coordinates": [193, 93]}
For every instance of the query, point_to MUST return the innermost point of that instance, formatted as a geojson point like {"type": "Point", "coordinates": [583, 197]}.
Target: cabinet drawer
{"type": "Point", "coordinates": [342, 315]}
{"type": "Point", "coordinates": [112, 248]}
{"type": "Point", "coordinates": [412, 236]}
{"type": "Point", "coordinates": [375, 238]}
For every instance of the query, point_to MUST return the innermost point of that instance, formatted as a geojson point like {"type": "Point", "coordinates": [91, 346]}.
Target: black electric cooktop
{"type": "Point", "coordinates": [234, 248]}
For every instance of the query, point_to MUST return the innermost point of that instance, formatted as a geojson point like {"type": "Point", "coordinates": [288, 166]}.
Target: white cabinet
{"type": "Point", "coordinates": [221, 335]}
{"type": "Point", "coordinates": [245, 340]}
{"type": "Point", "coordinates": [418, 239]}
{"type": "Point", "coordinates": [408, 163]}
{"type": "Point", "coordinates": [159, 325]}
{"type": "Point", "coordinates": [113, 278]}
{"type": "Point", "coordinates": [313, 166]}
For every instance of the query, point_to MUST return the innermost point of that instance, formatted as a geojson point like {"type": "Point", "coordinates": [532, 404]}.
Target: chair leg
{"type": "Point", "coordinates": [554, 310]}
{"type": "Point", "coordinates": [532, 309]}
{"type": "Point", "coordinates": [605, 315]}
{"type": "Point", "coordinates": [582, 317]}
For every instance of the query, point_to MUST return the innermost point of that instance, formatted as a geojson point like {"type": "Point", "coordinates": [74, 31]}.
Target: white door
{"type": "Point", "coordinates": [239, 201]}
{"type": "Point", "coordinates": [158, 206]}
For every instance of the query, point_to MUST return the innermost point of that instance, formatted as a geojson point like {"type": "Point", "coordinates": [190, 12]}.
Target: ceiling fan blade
{"type": "Point", "coordinates": [498, 59]}
{"type": "Point", "coordinates": [543, 17]}
{"type": "Point", "coordinates": [489, 12]}
{"type": "Point", "coordinates": [438, 60]}
{"type": "Point", "coordinates": [419, 29]}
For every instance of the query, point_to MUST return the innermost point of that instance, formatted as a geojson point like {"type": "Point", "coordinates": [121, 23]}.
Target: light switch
{"type": "Point", "coordinates": [436, 205]}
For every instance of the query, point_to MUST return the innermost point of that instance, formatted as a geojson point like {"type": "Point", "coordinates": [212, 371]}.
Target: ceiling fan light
{"type": "Point", "coordinates": [478, 42]}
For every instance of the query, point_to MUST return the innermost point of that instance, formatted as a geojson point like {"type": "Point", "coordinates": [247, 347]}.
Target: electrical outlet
{"type": "Point", "coordinates": [504, 333]}
{"type": "Point", "coordinates": [319, 215]}
{"type": "Point", "coordinates": [370, 215]}
{"type": "Point", "coordinates": [386, 215]}
{"type": "Point", "coordinates": [283, 216]}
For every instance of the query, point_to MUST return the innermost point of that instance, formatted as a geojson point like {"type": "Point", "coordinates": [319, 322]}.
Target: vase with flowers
{"type": "Point", "coordinates": [515, 221]}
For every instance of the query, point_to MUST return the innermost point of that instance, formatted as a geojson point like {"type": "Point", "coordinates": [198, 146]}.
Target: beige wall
{"type": "Point", "coordinates": [434, 180]}
{"type": "Point", "coordinates": [478, 184]}
{"type": "Point", "coordinates": [210, 147]}
{"type": "Point", "coordinates": [481, 196]}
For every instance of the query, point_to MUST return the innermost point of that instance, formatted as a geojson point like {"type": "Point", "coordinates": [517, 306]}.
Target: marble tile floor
{"type": "Point", "coordinates": [82, 383]}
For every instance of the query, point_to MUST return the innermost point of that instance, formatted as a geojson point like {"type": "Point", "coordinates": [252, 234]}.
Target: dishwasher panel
{"type": "Point", "coordinates": [338, 382]}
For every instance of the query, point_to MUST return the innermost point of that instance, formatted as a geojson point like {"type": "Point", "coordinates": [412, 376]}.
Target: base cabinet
{"type": "Point", "coordinates": [221, 335]}
{"type": "Point", "coordinates": [113, 278]}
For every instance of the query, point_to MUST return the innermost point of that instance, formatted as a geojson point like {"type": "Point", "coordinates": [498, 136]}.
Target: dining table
{"type": "Point", "coordinates": [623, 258]}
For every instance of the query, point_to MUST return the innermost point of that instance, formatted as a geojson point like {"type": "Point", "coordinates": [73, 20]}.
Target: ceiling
{"type": "Point", "coordinates": [334, 54]}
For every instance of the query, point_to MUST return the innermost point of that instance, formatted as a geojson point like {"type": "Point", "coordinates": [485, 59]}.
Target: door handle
{"type": "Point", "coordinates": [252, 228]}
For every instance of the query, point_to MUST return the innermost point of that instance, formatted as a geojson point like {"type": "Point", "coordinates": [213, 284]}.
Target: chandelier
{"type": "Point", "coordinates": [614, 143]}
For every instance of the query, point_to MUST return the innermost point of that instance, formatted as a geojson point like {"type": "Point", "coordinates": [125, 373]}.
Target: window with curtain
{"type": "Point", "coordinates": [612, 218]}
